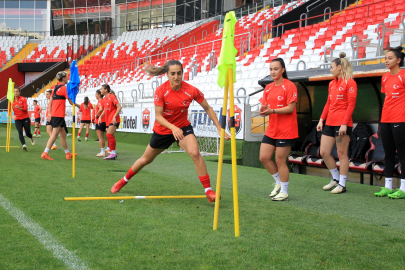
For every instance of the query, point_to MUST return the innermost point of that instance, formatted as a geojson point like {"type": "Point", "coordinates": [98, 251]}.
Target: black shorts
{"type": "Point", "coordinates": [278, 142]}
{"type": "Point", "coordinates": [58, 122]}
{"type": "Point", "coordinates": [38, 120]}
{"type": "Point", "coordinates": [85, 121]}
{"type": "Point", "coordinates": [101, 127]}
{"type": "Point", "coordinates": [48, 123]}
{"type": "Point", "coordinates": [333, 131]}
{"type": "Point", "coordinates": [164, 141]}
{"type": "Point", "coordinates": [117, 125]}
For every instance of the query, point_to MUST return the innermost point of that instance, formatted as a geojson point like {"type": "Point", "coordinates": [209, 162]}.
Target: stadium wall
{"type": "Point", "coordinates": [12, 72]}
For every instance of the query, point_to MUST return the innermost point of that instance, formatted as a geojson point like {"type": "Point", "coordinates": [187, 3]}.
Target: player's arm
{"type": "Point", "coordinates": [213, 116]}
{"type": "Point", "coordinates": [177, 132]}
{"type": "Point", "coordinates": [73, 104]}
{"type": "Point", "coordinates": [101, 115]}
{"type": "Point", "coordinates": [119, 108]}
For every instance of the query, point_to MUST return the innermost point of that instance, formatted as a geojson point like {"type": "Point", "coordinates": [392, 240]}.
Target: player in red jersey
{"type": "Point", "coordinates": [392, 124]}
{"type": "Point", "coordinates": [37, 116]}
{"type": "Point", "coordinates": [172, 100]}
{"type": "Point", "coordinates": [111, 112]}
{"type": "Point", "coordinates": [86, 119]}
{"type": "Point", "coordinates": [100, 122]}
{"type": "Point", "coordinates": [278, 102]}
{"type": "Point", "coordinates": [48, 95]}
{"type": "Point", "coordinates": [56, 115]}
{"type": "Point", "coordinates": [21, 118]}
{"type": "Point", "coordinates": [338, 113]}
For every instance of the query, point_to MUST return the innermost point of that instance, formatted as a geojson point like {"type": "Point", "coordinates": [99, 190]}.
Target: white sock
{"type": "Point", "coordinates": [388, 183]}
{"type": "Point", "coordinates": [102, 151]}
{"type": "Point", "coordinates": [206, 189]}
{"type": "Point", "coordinates": [335, 174]}
{"type": "Point", "coordinates": [113, 152]}
{"type": "Point", "coordinates": [342, 180]}
{"type": "Point", "coordinates": [47, 150]}
{"type": "Point", "coordinates": [66, 151]}
{"type": "Point", "coordinates": [25, 134]}
{"type": "Point", "coordinates": [276, 177]}
{"type": "Point", "coordinates": [54, 144]}
{"type": "Point", "coordinates": [402, 187]}
{"type": "Point", "coordinates": [108, 148]}
{"type": "Point", "coordinates": [125, 179]}
{"type": "Point", "coordinates": [24, 145]}
{"type": "Point", "coordinates": [284, 187]}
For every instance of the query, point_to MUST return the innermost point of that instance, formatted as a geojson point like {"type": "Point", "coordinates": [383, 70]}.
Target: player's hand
{"type": "Point", "coordinates": [49, 118]}
{"type": "Point", "coordinates": [342, 130]}
{"type": "Point", "coordinates": [319, 127]}
{"type": "Point", "coordinates": [99, 121]}
{"type": "Point", "coordinates": [227, 136]}
{"type": "Point", "coordinates": [114, 121]}
{"type": "Point", "coordinates": [177, 133]}
{"type": "Point", "coordinates": [14, 117]}
{"type": "Point", "coordinates": [264, 111]}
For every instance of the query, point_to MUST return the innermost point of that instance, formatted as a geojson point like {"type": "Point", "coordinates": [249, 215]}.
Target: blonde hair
{"type": "Point", "coordinates": [347, 69]}
{"type": "Point", "coordinates": [156, 71]}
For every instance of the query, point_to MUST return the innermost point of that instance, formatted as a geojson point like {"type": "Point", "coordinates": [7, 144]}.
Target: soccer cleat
{"type": "Point", "coordinates": [111, 156]}
{"type": "Point", "coordinates": [332, 184]}
{"type": "Point", "coordinates": [46, 156]}
{"type": "Point", "coordinates": [338, 189]}
{"type": "Point", "coordinates": [78, 138]}
{"type": "Point", "coordinates": [383, 192]}
{"type": "Point", "coordinates": [210, 195]}
{"type": "Point", "coordinates": [68, 135]}
{"type": "Point", "coordinates": [32, 141]}
{"type": "Point", "coordinates": [281, 196]}
{"type": "Point", "coordinates": [25, 147]}
{"type": "Point", "coordinates": [97, 140]}
{"type": "Point", "coordinates": [276, 190]}
{"type": "Point", "coordinates": [100, 155]}
{"type": "Point", "coordinates": [399, 194]}
{"type": "Point", "coordinates": [86, 139]}
{"type": "Point", "coordinates": [38, 136]}
{"type": "Point", "coordinates": [70, 155]}
{"type": "Point", "coordinates": [117, 186]}
{"type": "Point", "coordinates": [34, 135]}
{"type": "Point", "coordinates": [54, 147]}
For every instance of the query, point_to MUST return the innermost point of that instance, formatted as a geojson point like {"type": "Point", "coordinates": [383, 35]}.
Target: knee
{"type": "Point", "coordinates": [143, 161]}
{"type": "Point", "coordinates": [194, 154]}
{"type": "Point", "coordinates": [264, 158]}
{"type": "Point", "coordinates": [280, 161]}
{"type": "Point", "coordinates": [342, 154]}
{"type": "Point", "coordinates": [324, 153]}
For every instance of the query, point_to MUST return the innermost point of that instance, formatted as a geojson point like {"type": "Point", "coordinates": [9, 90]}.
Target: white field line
{"type": "Point", "coordinates": [70, 259]}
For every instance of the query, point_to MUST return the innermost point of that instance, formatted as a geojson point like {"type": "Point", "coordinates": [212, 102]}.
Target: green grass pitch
{"type": "Point", "coordinates": [313, 230]}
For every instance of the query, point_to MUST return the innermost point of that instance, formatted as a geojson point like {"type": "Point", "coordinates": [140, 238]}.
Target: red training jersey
{"type": "Point", "coordinates": [59, 101]}
{"type": "Point", "coordinates": [36, 111]}
{"type": "Point", "coordinates": [86, 112]}
{"type": "Point", "coordinates": [100, 104]}
{"type": "Point", "coordinates": [393, 86]}
{"type": "Point", "coordinates": [23, 113]}
{"type": "Point", "coordinates": [341, 102]}
{"type": "Point", "coordinates": [175, 105]}
{"type": "Point", "coordinates": [110, 107]}
{"type": "Point", "coordinates": [281, 126]}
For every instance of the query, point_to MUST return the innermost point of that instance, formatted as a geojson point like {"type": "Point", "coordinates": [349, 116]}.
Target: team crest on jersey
{"type": "Point", "coordinates": [341, 88]}
{"type": "Point", "coordinates": [396, 86]}
{"type": "Point", "coordinates": [280, 98]}
{"type": "Point", "coordinates": [238, 120]}
{"type": "Point", "coordinates": [351, 90]}
{"type": "Point", "coordinates": [186, 102]}
{"type": "Point", "coordinates": [294, 95]}
{"type": "Point", "coordinates": [145, 119]}
{"type": "Point", "coordinates": [156, 98]}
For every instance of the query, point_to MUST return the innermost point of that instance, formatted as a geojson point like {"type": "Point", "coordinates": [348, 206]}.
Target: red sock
{"type": "Point", "coordinates": [87, 135]}
{"type": "Point", "coordinates": [78, 134]}
{"type": "Point", "coordinates": [35, 133]}
{"type": "Point", "coordinates": [111, 141]}
{"type": "Point", "coordinates": [205, 181]}
{"type": "Point", "coordinates": [129, 174]}
{"type": "Point", "coordinates": [39, 132]}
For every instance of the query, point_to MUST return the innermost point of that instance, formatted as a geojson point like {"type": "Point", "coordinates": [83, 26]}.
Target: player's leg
{"type": "Point", "coordinates": [388, 141]}
{"type": "Point", "coordinates": [266, 153]}
{"type": "Point", "coordinates": [342, 145]}
{"type": "Point", "coordinates": [100, 136]}
{"type": "Point", "coordinates": [19, 127]}
{"type": "Point", "coordinates": [51, 140]}
{"type": "Point", "coordinates": [80, 130]}
{"type": "Point", "coordinates": [281, 161]}
{"type": "Point", "coordinates": [87, 131]}
{"type": "Point", "coordinates": [398, 131]}
{"type": "Point", "coordinates": [111, 142]}
{"type": "Point", "coordinates": [36, 128]}
{"type": "Point", "coordinates": [148, 156]}
{"type": "Point", "coordinates": [327, 144]}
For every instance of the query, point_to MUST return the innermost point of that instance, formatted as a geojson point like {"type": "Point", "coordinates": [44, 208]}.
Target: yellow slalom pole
{"type": "Point", "coordinates": [221, 155]}
{"type": "Point", "coordinates": [233, 151]}
{"type": "Point", "coordinates": [133, 197]}
{"type": "Point", "coordinates": [9, 146]}
{"type": "Point", "coordinates": [73, 142]}
{"type": "Point", "coordinates": [9, 117]}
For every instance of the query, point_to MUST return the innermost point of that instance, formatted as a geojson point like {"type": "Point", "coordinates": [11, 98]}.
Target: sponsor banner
{"type": "Point", "coordinates": [3, 117]}
{"type": "Point", "coordinates": [139, 120]}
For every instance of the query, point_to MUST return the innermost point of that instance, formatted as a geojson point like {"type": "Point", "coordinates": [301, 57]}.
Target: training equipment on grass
{"type": "Point", "coordinates": [226, 77]}
{"type": "Point", "coordinates": [134, 197]}
{"type": "Point", "coordinates": [10, 97]}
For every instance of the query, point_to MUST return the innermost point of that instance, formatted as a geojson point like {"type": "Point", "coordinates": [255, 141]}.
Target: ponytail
{"type": "Point", "coordinates": [347, 69]}
{"type": "Point", "coordinates": [399, 54]}
{"type": "Point", "coordinates": [156, 71]}
{"type": "Point", "coordinates": [281, 61]}
{"type": "Point", "coordinates": [86, 101]}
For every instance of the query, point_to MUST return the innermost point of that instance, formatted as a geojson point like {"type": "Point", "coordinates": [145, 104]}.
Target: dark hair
{"type": "Point", "coordinates": [99, 92]}
{"type": "Point", "coordinates": [18, 88]}
{"type": "Point", "coordinates": [86, 101]}
{"type": "Point", "coordinates": [156, 71]}
{"type": "Point", "coordinates": [107, 87]}
{"type": "Point", "coordinates": [49, 91]}
{"type": "Point", "coordinates": [347, 69]}
{"type": "Point", "coordinates": [35, 100]}
{"type": "Point", "coordinates": [281, 61]}
{"type": "Point", "coordinates": [399, 54]}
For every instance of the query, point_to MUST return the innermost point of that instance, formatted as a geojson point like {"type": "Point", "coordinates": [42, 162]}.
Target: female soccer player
{"type": "Point", "coordinates": [85, 109]}
{"type": "Point", "coordinates": [172, 100]}
{"type": "Point", "coordinates": [100, 122]}
{"type": "Point", "coordinates": [339, 124]}
{"type": "Point", "coordinates": [279, 101]}
{"type": "Point", "coordinates": [37, 116]}
{"type": "Point", "coordinates": [392, 126]}
{"type": "Point", "coordinates": [48, 94]}
{"type": "Point", "coordinates": [21, 119]}
{"type": "Point", "coordinates": [56, 115]}
{"type": "Point", "coordinates": [111, 112]}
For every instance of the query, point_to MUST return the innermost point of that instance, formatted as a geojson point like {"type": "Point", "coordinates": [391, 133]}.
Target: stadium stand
{"type": "Point", "coordinates": [10, 46]}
